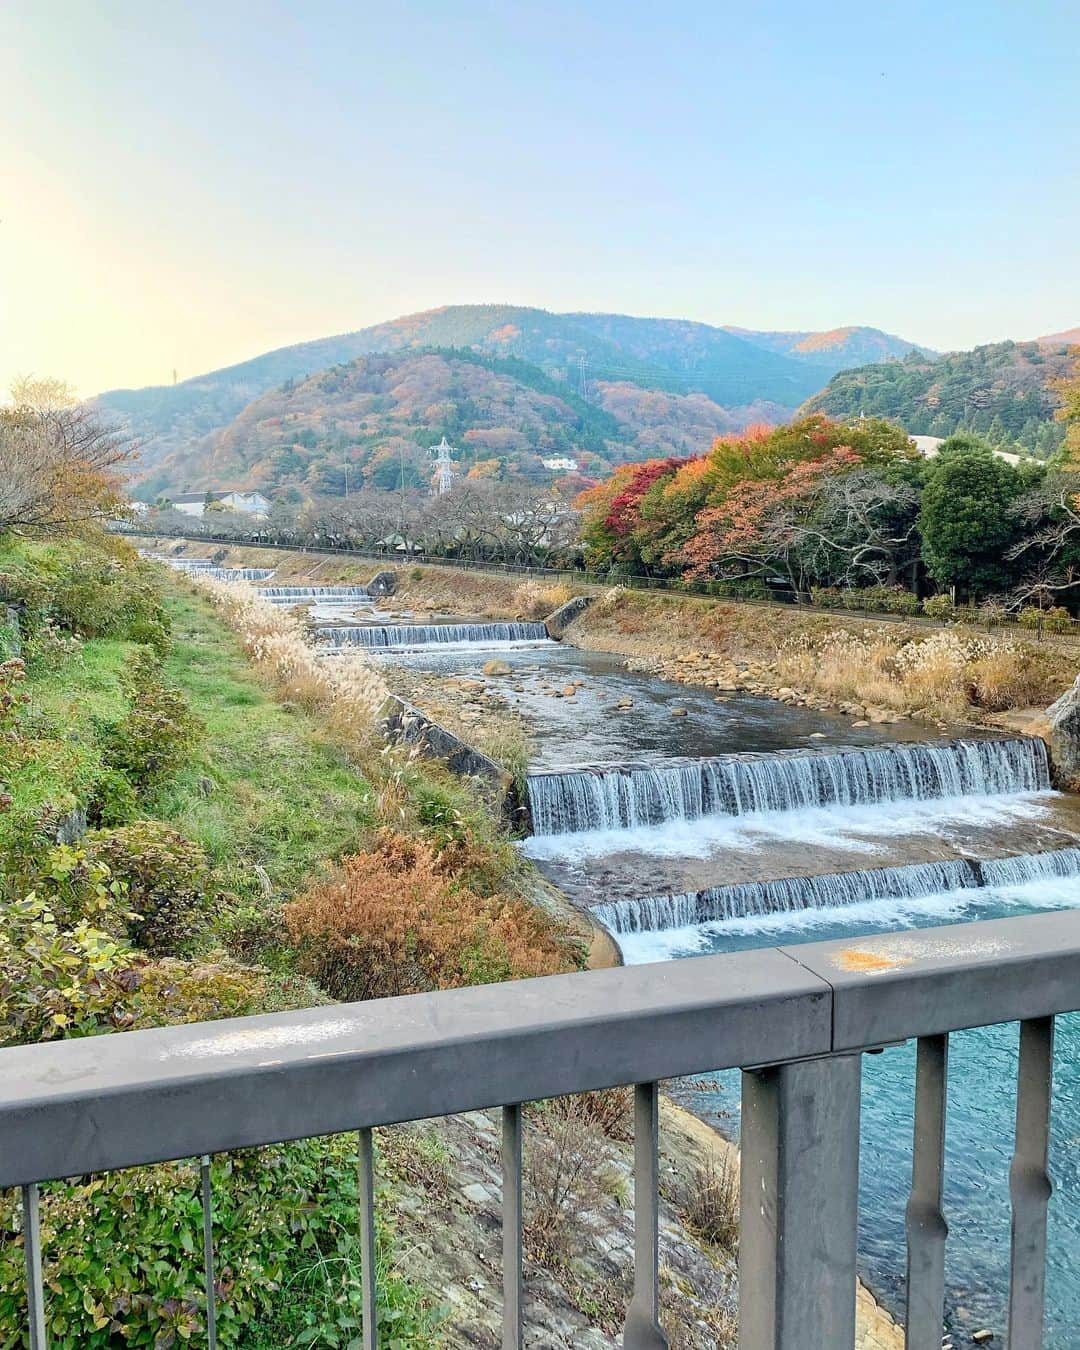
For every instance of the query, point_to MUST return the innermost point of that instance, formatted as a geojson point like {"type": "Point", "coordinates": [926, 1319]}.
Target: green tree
{"type": "Point", "coordinates": [965, 520]}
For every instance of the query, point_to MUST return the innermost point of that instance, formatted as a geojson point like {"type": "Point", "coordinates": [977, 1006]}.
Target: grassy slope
{"type": "Point", "coordinates": [266, 788]}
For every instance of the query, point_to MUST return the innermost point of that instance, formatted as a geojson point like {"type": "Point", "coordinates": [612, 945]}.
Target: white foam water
{"type": "Point", "coordinates": [854, 829]}
{"type": "Point", "coordinates": [886, 913]}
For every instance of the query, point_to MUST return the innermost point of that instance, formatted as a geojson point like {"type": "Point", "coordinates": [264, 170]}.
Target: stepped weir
{"type": "Point", "coordinates": [789, 895]}
{"type": "Point", "coordinates": [314, 595]}
{"type": "Point", "coordinates": [414, 635]}
{"type": "Point", "coordinates": [630, 796]}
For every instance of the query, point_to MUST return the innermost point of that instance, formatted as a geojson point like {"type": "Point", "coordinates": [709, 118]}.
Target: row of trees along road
{"type": "Point", "coordinates": [821, 504]}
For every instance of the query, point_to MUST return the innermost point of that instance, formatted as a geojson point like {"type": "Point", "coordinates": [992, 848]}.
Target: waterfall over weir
{"type": "Point", "coordinates": [308, 595]}
{"type": "Point", "coordinates": [413, 635]}
{"type": "Point", "coordinates": [789, 895]}
{"type": "Point", "coordinates": [623, 797]}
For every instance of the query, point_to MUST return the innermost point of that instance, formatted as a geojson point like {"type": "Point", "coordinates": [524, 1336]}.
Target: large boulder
{"type": "Point", "coordinates": [1064, 735]}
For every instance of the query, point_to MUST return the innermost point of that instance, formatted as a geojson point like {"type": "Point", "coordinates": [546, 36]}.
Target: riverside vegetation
{"type": "Point", "coordinates": [224, 797]}
{"type": "Point", "coordinates": [250, 846]}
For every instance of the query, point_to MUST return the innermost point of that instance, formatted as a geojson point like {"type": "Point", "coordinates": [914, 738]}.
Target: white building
{"type": "Point", "coordinates": [928, 446]}
{"type": "Point", "coordinates": [197, 503]}
{"type": "Point", "coordinates": [561, 464]}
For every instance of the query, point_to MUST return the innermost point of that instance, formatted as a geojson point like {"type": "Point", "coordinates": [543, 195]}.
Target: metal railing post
{"type": "Point", "coordinates": [511, 1221]}
{"type": "Point", "coordinates": [643, 1330]}
{"type": "Point", "coordinates": [368, 1274]}
{"type": "Point", "coordinates": [208, 1252]}
{"type": "Point", "coordinates": [1030, 1186]}
{"type": "Point", "coordinates": [799, 1205]}
{"type": "Point", "coordinates": [926, 1226]}
{"type": "Point", "coordinates": [35, 1282]}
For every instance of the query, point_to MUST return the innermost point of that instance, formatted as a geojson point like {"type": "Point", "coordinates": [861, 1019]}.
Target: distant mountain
{"type": "Point", "coordinates": [840, 347]}
{"type": "Point", "coordinates": [375, 417]}
{"type": "Point", "coordinates": [582, 351]}
{"type": "Point", "coordinates": [1070, 337]}
{"type": "Point", "coordinates": [1004, 392]}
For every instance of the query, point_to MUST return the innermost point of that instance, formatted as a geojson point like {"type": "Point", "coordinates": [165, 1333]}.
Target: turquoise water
{"type": "Point", "coordinates": [982, 1103]}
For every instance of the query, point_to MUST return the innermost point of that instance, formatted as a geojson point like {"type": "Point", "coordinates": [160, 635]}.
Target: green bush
{"type": "Point", "coordinates": [155, 737]}
{"type": "Point", "coordinates": [60, 981]}
{"type": "Point", "coordinates": [827, 597]}
{"type": "Point", "coordinates": [888, 600]}
{"type": "Point", "coordinates": [90, 588]}
{"type": "Point", "coordinates": [939, 607]}
{"type": "Point", "coordinates": [123, 1257]}
{"type": "Point", "coordinates": [166, 882]}
{"type": "Point", "coordinates": [1058, 620]}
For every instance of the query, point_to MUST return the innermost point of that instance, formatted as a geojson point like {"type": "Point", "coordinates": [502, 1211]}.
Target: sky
{"type": "Point", "coordinates": [183, 186]}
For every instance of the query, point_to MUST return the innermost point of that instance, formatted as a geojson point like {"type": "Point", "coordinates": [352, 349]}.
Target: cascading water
{"type": "Point", "coordinates": [788, 895]}
{"type": "Point", "coordinates": [307, 595]}
{"type": "Point", "coordinates": [626, 797]}
{"type": "Point", "coordinates": [1025, 867]}
{"type": "Point", "coordinates": [412, 635]}
{"type": "Point", "coordinates": [205, 569]}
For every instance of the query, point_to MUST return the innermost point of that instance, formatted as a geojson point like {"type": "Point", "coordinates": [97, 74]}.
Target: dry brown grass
{"type": "Point", "coordinates": [947, 673]}
{"type": "Point", "coordinates": [532, 600]}
{"type": "Point", "coordinates": [345, 690]}
{"type": "Point", "coordinates": [397, 920]}
{"type": "Point", "coordinates": [710, 1202]}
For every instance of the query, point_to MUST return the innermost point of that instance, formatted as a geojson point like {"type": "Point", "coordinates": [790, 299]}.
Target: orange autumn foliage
{"type": "Point", "coordinates": [396, 920]}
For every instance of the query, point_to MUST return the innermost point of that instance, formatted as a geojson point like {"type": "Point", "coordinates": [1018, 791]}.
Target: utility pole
{"type": "Point", "coordinates": [346, 479]}
{"type": "Point", "coordinates": [583, 378]}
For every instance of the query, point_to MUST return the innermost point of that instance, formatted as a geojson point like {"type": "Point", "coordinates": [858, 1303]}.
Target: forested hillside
{"type": "Point", "coordinates": [729, 368]}
{"type": "Point", "coordinates": [1005, 392]}
{"type": "Point", "coordinates": [377, 415]}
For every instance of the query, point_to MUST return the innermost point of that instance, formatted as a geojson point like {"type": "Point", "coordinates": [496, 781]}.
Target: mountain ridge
{"type": "Point", "coordinates": [672, 355]}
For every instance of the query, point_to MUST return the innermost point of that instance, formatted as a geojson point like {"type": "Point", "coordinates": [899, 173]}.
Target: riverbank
{"type": "Point", "coordinates": [876, 672]}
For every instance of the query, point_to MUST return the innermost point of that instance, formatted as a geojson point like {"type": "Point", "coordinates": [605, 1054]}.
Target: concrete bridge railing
{"type": "Point", "coordinates": [796, 1020]}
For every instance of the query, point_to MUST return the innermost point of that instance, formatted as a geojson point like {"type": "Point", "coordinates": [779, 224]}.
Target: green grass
{"type": "Point", "coordinates": [266, 788]}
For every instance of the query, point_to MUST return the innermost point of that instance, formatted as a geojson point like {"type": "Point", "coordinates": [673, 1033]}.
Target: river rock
{"type": "Point", "coordinates": [679, 712]}
{"type": "Point", "coordinates": [625, 702]}
{"type": "Point", "coordinates": [1064, 736]}
{"type": "Point", "coordinates": [569, 691]}
{"type": "Point", "coordinates": [496, 668]}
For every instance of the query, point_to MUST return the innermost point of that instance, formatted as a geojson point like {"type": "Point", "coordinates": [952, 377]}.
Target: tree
{"type": "Point", "coordinates": [966, 519]}
{"type": "Point", "coordinates": [60, 462]}
{"type": "Point", "coordinates": [1069, 413]}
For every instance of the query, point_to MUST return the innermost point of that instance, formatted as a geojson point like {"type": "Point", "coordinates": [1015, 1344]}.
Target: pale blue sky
{"type": "Point", "coordinates": [185, 185]}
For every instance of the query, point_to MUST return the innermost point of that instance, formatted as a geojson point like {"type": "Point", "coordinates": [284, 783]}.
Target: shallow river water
{"type": "Point", "coordinates": [690, 849]}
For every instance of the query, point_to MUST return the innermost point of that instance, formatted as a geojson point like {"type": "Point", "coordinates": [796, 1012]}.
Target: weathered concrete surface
{"type": "Point", "coordinates": [382, 583]}
{"type": "Point", "coordinates": [407, 725]}
{"type": "Point", "coordinates": [1063, 734]}
{"type": "Point", "coordinates": [558, 622]}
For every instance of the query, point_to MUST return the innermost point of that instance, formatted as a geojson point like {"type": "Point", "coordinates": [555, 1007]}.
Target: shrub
{"type": "Point", "coordinates": [939, 607]}
{"type": "Point", "coordinates": [392, 922]}
{"type": "Point", "coordinates": [166, 881]}
{"type": "Point", "coordinates": [171, 992]}
{"type": "Point", "coordinates": [123, 1256]}
{"type": "Point", "coordinates": [827, 597]}
{"type": "Point", "coordinates": [710, 1202]}
{"type": "Point", "coordinates": [155, 736]}
{"type": "Point", "coordinates": [564, 1167]}
{"type": "Point", "coordinates": [886, 600]}
{"type": "Point", "coordinates": [58, 981]}
{"type": "Point", "coordinates": [1058, 620]}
